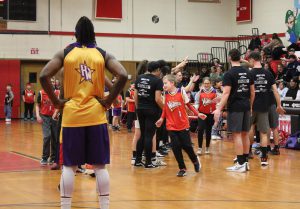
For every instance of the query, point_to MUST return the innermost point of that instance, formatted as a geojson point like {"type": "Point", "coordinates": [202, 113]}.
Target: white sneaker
{"type": "Point", "coordinates": [218, 137]}
{"type": "Point", "coordinates": [207, 150]}
{"type": "Point", "coordinates": [214, 137]}
{"type": "Point", "coordinates": [158, 162]}
{"type": "Point", "coordinates": [159, 155]}
{"type": "Point", "coordinates": [199, 152]}
{"type": "Point", "coordinates": [7, 120]}
{"type": "Point", "coordinates": [132, 160]}
{"type": "Point", "coordinates": [238, 168]}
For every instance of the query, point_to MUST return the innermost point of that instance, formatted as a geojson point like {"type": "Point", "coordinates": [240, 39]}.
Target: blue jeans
{"type": "Point", "coordinates": [7, 111]}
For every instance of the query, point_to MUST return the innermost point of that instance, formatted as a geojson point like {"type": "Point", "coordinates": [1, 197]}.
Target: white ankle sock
{"type": "Point", "coordinates": [65, 202]}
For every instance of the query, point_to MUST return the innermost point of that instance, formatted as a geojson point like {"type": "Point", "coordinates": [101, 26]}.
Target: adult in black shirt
{"type": "Point", "coordinates": [238, 94]}
{"type": "Point", "coordinates": [293, 68]}
{"type": "Point", "coordinates": [281, 73]}
{"type": "Point", "coordinates": [264, 82]}
{"type": "Point", "coordinates": [148, 89]}
{"type": "Point", "coordinates": [293, 88]}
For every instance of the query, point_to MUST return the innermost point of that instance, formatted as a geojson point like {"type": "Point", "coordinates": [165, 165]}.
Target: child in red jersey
{"type": "Point", "coordinates": [116, 113]}
{"type": "Point", "coordinates": [177, 123]}
{"type": "Point", "coordinates": [206, 100]}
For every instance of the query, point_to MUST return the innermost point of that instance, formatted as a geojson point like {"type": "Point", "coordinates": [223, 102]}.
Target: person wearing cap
{"type": "Point", "coordinates": [28, 96]}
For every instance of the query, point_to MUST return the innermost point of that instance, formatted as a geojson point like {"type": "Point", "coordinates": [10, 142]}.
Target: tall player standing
{"type": "Point", "coordinates": [84, 125]}
{"type": "Point", "coordinates": [238, 94]}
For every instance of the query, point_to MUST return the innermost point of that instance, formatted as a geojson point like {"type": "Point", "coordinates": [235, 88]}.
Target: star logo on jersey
{"type": "Point", "coordinates": [85, 72]}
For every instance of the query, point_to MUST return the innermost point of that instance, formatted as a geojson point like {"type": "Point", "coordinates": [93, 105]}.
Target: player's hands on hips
{"type": "Point", "coordinates": [60, 103]}
{"type": "Point", "coordinates": [202, 116]}
{"type": "Point", "coordinates": [105, 102]}
{"type": "Point", "coordinates": [159, 122]}
{"type": "Point", "coordinates": [39, 119]}
{"type": "Point", "coordinates": [280, 110]}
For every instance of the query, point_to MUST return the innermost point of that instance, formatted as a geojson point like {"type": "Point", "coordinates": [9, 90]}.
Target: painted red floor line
{"type": "Point", "coordinates": [14, 162]}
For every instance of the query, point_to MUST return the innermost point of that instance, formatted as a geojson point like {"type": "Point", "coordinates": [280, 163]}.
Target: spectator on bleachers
{"type": "Point", "coordinates": [263, 55]}
{"type": "Point", "coordinates": [204, 73]}
{"type": "Point", "coordinates": [293, 68]}
{"type": "Point", "coordinates": [282, 90]}
{"type": "Point", "coordinates": [219, 71]}
{"type": "Point", "coordinates": [293, 88]}
{"type": "Point", "coordinates": [281, 72]}
{"type": "Point", "coordinates": [275, 46]}
{"type": "Point", "coordinates": [213, 73]}
{"type": "Point", "coordinates": [265, 40]}
{"type": "Point", "coordinates": [255, 42]}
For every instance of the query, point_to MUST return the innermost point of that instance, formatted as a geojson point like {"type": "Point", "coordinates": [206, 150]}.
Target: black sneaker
{"type": "Point", "coordinates": [264, 161]}
{"type": "Point", "coordinates": [139, 164]}
{"type": "Point", "coordinates": [275, 151]}
{"type": "Point", "coordinates": [150, 166]}
{"type": "Point", "coordinates": [197, 165]}
{"type": "Point", "coordinates": [181, 173]}
{"type": "Point", "coordinates": [162, 152]}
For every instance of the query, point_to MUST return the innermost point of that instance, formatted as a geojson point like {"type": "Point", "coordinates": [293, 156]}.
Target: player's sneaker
{"type": "Point", "coordinates": [207, 150]}
{"type": "Point", "coordinates": [275, 151]}
{"type": "Point", "coordinates": [264, 161]}
{"type": "Point", "coordinates": [150, 166]}
{"type": "Point", "coordinates": [43, 162]}
{"type": "Point", "coordinates": [181, 173]}
{"type": "Point", "coordinates": [158, 162]}
{"type": "Point", "coordinates": [197, 165]}
{"type": "Point", "coordinates": [132, 160]}
{"type": "Point", "coordinates": [237, 168]}
{"type": "Point", "coordinates": [199, 152]}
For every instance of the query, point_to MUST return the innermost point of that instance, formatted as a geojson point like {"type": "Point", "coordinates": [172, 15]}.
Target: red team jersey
{"type": "Point", "coordinates": [119, 104]}
{"type": "Point", "coordinates": [47, 108]}
{"type": "Point", "coordinates": [206, 104]}
{"type": "Point", "coordinates": [175, 112]}
{"type": "Point", "coordinates": [29, 96]}
{"type": "Point", "coordinates": [131, 105]}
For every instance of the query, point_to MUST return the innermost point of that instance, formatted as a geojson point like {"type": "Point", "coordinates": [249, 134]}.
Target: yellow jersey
{"type": "Point", "coordinates": [84, 79]}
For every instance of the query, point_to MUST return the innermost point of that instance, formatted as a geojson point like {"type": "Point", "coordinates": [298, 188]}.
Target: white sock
{"type": "Point", "coordinates": [102, 181]}
{"type": "Point", "coordinates": [66, 186]}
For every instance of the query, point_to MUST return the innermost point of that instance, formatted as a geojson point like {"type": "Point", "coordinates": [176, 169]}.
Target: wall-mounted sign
{"type": "Point", "coordinates": [243, 10]}
{"type": "Point", "coordinates": [108, 9]}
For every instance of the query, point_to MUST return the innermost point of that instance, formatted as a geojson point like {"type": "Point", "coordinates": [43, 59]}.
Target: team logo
{"type": "Point", "coordinates": [85, 72]}
{"type": "Point", "coordinates": [173, 105]}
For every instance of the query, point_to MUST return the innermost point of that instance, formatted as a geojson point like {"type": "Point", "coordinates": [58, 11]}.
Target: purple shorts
{"type": "Point", "coordinates": [83, 145]}
{"type": "Point", "coordinates": [116, 112]}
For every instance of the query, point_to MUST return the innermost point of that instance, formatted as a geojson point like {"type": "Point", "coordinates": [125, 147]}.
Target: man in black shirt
{"type": "Point", "coordinates": [293, 68]}
{"type": "Point", "coordinates": [264, 83]}
{"type": "Point", "coordinates": [238, 94]}
{"type": "Point", "coordinates": [147, 95]}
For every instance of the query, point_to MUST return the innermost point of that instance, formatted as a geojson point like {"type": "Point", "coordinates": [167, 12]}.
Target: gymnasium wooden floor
{"type": "Point", "coordinates": [275, 187]}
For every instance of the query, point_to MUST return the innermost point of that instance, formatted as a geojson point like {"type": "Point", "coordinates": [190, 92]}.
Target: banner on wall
{"type": "Point", "coordinates": [243, 10]}
{"type": "Point", "coordinates": [108, 9]}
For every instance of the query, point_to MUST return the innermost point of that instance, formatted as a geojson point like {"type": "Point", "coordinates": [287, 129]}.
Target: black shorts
{"type": "Point", "coordinates": [238, 121]}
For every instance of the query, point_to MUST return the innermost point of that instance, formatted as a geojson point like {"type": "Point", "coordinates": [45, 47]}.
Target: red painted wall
{"type": "Point", "coordinates": [10, 73]}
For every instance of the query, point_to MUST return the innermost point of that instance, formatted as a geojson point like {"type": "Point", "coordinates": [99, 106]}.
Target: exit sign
{"type": "Point", "coordinates": [34, 51]}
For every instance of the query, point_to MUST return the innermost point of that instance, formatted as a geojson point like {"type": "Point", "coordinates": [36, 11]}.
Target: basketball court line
{"type": "Point", "coordinates": [49, 204]}
{"type": "Point", "coordinates": [25, 155]}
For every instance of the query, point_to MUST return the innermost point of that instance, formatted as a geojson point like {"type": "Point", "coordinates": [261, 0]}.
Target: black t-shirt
{"type": "Point", "coordinates": [240, 80]}
{"type": "Point", "coordinates": [263, 81]}
{"type": "Point", "coordinates": [146, 85]}
{"type": "Point", "coordinates": [292, 93]}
